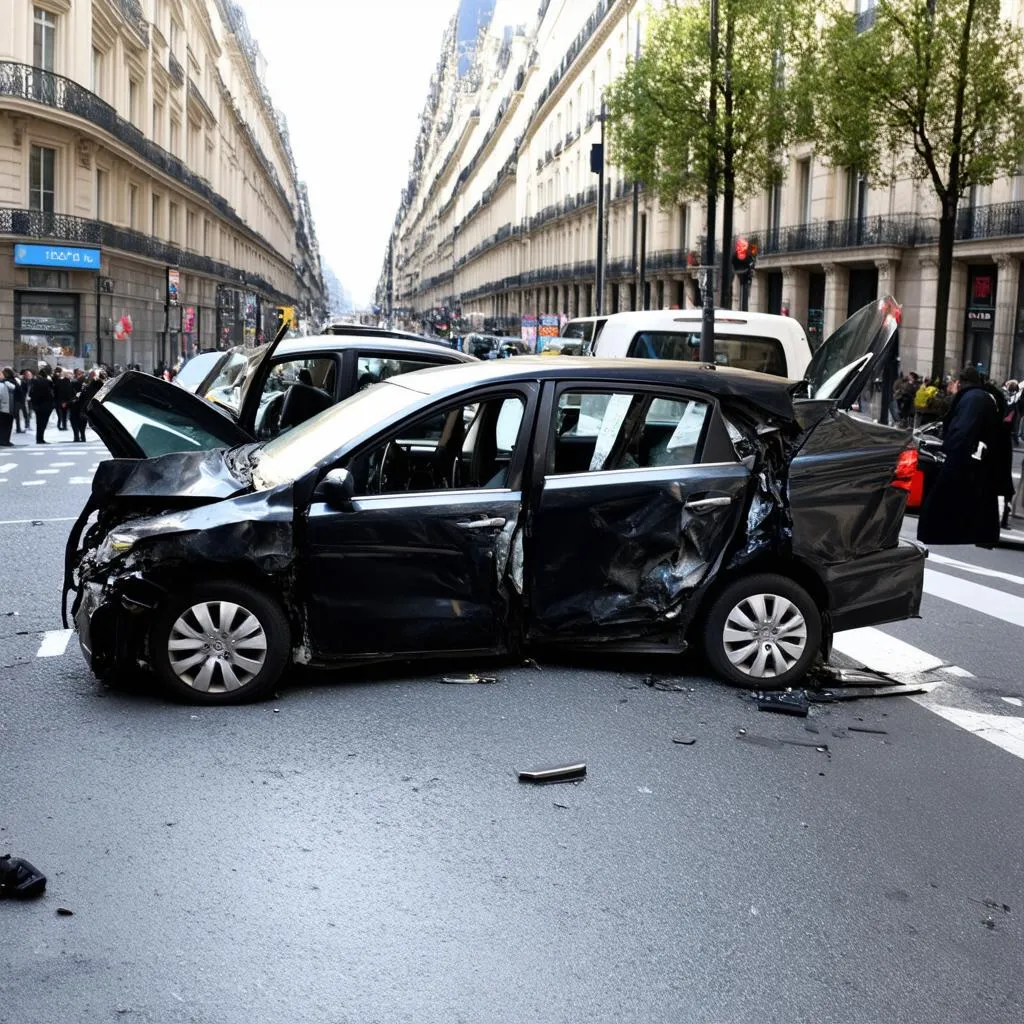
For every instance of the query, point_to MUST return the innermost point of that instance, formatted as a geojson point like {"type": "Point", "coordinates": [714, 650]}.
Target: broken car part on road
{"type": "Point", "coordinates": [20, 880]}
{"type": "Point", "coordinates": [563, 773]}
{"type": "Point", "coordinates": [483, 508]}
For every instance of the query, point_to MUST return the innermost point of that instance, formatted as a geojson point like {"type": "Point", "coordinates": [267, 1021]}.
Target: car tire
{"type": "Point", "coordinates": [738, 632]}
{"type": "Point", "coordinates": [219, 643]}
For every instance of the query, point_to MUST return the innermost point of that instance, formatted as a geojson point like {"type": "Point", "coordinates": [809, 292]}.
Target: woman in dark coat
{"type": "Point", "coordinates": [962, 506]}
{"type": "Point", "coordinates": [40, 394]}
{"type": "Point", "coordinates": [63, 395]}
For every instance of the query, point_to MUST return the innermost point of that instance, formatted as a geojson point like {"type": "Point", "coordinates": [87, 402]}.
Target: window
{"type": "Point", "coordinates": [372, 369]}
{"type": "Point", "coordinates": [40, 178]}
{"type": "Point", "coordinates": [133, 206]}
{"type": "Point", "coordinates": [191, 232]}
{"type": "Point", "coordinates": [684, 227]}
{"type": "Point", "coordinates": [774, 207]}
{"type": "Point", "coordinates": [173, 37]}
{"type": "Point", "coordinates": [155, 216]}
{"type": "Point", "coordinates": [601, 431]}
{"type": "Point", "coordinates": [96, 81]}
{"type": "Point", "coordinates": [101, 194]}
{"type": "Point", "coordinates": [158, 123]}
{"type": "Point", "coordinates": [133, 101]}
{"type": "Point", "coordinates": [172, 222]}
{"type": "Point", "coordinates": [765, 355]}
{"type": "Point", "coordinates": [803, 178]}
{"type": "Point", "coordinates": [470, 446]}
{"type": "Point", "coordinates": [856, 194]}
{"type": "Point", "coordinates": [175, 132]}
{"type": "Point", "coordinates": [44, 38]}
{"type": "Point", "coordinates": [294, 391]}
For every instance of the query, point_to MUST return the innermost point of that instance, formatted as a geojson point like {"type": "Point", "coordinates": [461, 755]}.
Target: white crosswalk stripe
{"type": "Point", "coordinates": [71, 465]}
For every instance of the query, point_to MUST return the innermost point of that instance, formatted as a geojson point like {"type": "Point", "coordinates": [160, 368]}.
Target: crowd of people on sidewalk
{"type": "Point", "coordinates": [41, 393]}
{"type": "Point", "coordinates": [921, 400]}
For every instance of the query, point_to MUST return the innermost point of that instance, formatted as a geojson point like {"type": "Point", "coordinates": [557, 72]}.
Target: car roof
{"type": "Point", "coordinates": [667, 317]}
{"type": "Point", "coordinates": [401, 345]}
{"type": "Point", "coordinates": [773, 394]}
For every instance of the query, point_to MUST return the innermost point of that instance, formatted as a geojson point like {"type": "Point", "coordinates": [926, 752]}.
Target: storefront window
{"type": "Point", "coordinates": [46, 328]}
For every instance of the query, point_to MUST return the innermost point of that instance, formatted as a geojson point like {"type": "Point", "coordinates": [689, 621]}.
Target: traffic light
{"type": "Point", "coordinates": [744, 255]}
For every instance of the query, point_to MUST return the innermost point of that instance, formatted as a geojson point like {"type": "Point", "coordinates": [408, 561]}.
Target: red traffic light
{"type": "Point", "coordinates": [744, 255]}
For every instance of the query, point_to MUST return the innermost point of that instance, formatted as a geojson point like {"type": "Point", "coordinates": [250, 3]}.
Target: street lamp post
{"type": "Point", "coordinates": [707, 328]}
{"type": "Point", "coordinates": [597, 167]}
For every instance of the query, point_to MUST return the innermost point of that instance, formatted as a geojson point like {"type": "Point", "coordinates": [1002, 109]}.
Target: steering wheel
{"type": "Point", "coordinates": [393, 453]}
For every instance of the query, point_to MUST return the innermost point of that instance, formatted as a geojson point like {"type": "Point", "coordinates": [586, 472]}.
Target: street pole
{"type": "Point", "coordinates": [98, 356]}
{"type": "Point", "coordinates": [599, 298]}
{"type": "Point", "coordinates": [707, 329]}
{"type": "Point", "coordinates": [643, 262]}
{"type": "Point", "coordinates": [637, 301]}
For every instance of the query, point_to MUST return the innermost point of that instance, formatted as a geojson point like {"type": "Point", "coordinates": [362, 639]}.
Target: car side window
{"type": "Point", "coordinates": [372, 369]}
{"type": "Point", "coordinates": [608, 430]}
{"type": "Point", "coordinates": [765, 355]}
{"type": "Point", "coordinates": [294, 391]}
{"type": "Point", "coordinates": [464, 446]}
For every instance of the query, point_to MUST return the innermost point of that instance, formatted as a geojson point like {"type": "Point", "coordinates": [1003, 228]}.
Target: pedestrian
{"type": "Point", "coordinates": [8, 393]}
{"type": "Point", "coordinates": [26, 383]}
{"type": "Point", "coordinates": [41, 397]}
{"type": "Point", "coordinates": [962, 506]}
{"type": "Point", "coordinates": [1012, 394]}
{"type": "Point", "coordinates": [20, 403]}
{"type": "Point", "coordinates": [95, 381]}
{"type": "Point", "coordinates": [76, 411]}
{"type": "Point", "coordinates": [63, 393]}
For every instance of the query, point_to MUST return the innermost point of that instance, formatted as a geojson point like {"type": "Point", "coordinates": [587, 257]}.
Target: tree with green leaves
{"type": "Point", "coordinates": [658, 124]}
{"type": "Point", "coordinates": [933, 90]}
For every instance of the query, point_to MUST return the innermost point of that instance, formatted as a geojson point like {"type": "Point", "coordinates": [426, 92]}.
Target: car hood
{"type": "Point", "coordinates": [178, 479]}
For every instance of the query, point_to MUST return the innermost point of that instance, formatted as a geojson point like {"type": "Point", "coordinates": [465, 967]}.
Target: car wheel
{"type": "Point", "coordinates": [220, 643]}
{"type": "Point", "coordinates": [763, 630]}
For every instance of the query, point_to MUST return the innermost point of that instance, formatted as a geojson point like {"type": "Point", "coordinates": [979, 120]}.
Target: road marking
{"type": "Point", "coordinates": [47, 472]}
{"type": "Point", "coordinates": [23, 522]}
{"type": "Point", "coordinates": [8, 466]}
{"type": "Point", "coordinates": [986, 600]}
{"type": "Point", "coordinates": [1006, 731]}
{"type": "Point", "coordinates": [54, 643]}
{"type": "Point", "coordinates": [80, 480]}
{"type": "Point", "coordinates": [956, 670]}
{"type": "Point", "coordinates": [61, 465]}
{"type": "Point", "coordinates": [884, 653]}
{"type": "Point", "coordinates": [1015, 701]}
{"type": "Point", "coordinates": [32, 483]}
{"type": "Point", "coordinates": [955, 563]}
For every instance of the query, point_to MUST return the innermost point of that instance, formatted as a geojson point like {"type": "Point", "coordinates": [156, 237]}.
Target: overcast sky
{"type": "Point", "coordinates": [351, 78]}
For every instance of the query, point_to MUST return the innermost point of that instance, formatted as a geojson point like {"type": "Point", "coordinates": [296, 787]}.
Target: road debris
{"type": "Point", "coordinates": [19, 880]}
{"type": "Point", "coordinates": [859, 691]}
{"type": "Point", "coordinates": [686, 741]}
{"type": "Point", "coordinates": [657, 684]}
{"type": "Point", "coordinates": [469, 679]}
{"type": "Point", "coordinates": [562, 773]}
{"type": "Point", "coordinates": [531, 663]}
{"type": "Point", "coordinates": [864, 728]}
{"type": "Point", "coordinates": [790, 702]}
{"type": "Point", "coordinates": [65, 912]}
{"type": "Point", "coordinates": [992, 904]}
{"type": "Point", "coordinates": [773, 743]}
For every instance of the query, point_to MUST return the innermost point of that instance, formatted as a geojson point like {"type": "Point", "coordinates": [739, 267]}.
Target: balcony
{"type": "Point", "coordinates": [22, 81]}
{"type": "Point", "coordinates": [175, 70]}
{"type": "Point", "coordinates": [131, 11]}
{"type": "Point", "coordinates": [64, 228]}
{"type": "Point", "coordinates": [998, 220]}
{"type": "Point", "coordinates": [196, 97]}
{"type": "Point", "coordinates": [895, 230]}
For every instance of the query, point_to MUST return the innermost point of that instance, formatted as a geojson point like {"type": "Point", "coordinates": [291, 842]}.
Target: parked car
{"type": "Point", "coordinates": [585, 330]}
{"type": "Point", "coordinates": [271, 389]}
{"type": "Point", "coordinates": [487, 507]}
{"type": "Point", "coordinates": [750, 341]}
{"type": "Point", "coordinates": [482, 346]}
{"type": "Point", "coordinates": [508, 347]}
{"type": "Point", "coordinates": [927, 461]}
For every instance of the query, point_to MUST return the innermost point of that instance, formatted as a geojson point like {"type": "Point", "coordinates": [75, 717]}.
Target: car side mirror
{"type": "Point", "coordinates": [337, 489]}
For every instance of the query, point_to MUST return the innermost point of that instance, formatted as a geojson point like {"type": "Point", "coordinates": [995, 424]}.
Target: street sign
{"type": "Point", "coordinates": [67, 257]}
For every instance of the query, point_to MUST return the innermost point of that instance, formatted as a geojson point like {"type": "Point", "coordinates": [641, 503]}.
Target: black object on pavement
{"type": "Point", "coordinates": [789, 703]}
{"type": "Point", "coordinates": [466, 680]}
{"type": "Point", "coordinates": [563, 773]}
{"type": "Point", "coordinates": [20, 880]}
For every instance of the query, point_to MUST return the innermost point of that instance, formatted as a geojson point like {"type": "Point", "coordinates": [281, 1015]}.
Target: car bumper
{"type": "Point", "coordinates": [112, 622]}
{"type": "Point", "coordinates": [885, 586]}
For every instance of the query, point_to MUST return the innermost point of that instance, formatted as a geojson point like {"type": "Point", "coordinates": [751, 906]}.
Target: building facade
{"type": "Point", "coordinates": [149, 201]}
{"type": "Point", "coordinates": [499, 216]}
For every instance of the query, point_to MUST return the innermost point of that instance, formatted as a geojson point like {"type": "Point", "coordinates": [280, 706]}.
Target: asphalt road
{"type": "Point", "coordinates": [361, 850]}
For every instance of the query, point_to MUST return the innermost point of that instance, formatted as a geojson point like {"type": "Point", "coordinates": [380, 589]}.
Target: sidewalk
{"type": "Point", "coordinates": [53, 435]}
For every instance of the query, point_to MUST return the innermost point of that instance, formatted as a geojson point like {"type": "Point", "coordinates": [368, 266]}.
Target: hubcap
{"type": "Point", "coordinates": [217, 646]}
{"type": "Point", "coordinates": [765, 635]}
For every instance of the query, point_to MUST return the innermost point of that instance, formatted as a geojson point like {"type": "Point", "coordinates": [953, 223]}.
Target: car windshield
{"type": "Point", "coordinates": [290, 455]}
{"type": "Point", "coordinates": [195, 371]}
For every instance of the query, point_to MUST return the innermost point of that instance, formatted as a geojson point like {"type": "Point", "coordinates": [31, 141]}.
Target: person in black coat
{"type": "Point", "coordinates": [40, 395]}
{"type": "Point", "coordinates": [63, 395]}
{"type": "Point", "coordinates": [90, 386]}
{"type": "Point", "coordinates": [962, 507]}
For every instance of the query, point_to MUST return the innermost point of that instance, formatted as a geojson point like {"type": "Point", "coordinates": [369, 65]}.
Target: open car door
{"type": "Point", "coordinates": [849, 358]}
{"type": "Point", "coordinates": [138, 416]}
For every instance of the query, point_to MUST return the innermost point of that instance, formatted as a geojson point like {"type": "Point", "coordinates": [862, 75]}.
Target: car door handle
{"type": "Point", "coordinates": [482, 524]}
{"type": "Point", "coordinates": [706, 504]}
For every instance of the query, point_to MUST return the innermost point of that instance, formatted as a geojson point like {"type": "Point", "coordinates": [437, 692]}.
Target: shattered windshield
{"type": "Point", "coordinates": [290, 455]}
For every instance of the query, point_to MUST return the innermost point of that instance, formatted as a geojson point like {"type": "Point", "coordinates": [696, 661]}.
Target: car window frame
{"type": "Point", "coordinates": [353, 355]}
{"type": "Point", "coordinates": [529, 391]}
{"type": "Point", "coordinates": [780, 353]}
{"type": "Point", "coordinates": [543, 450]}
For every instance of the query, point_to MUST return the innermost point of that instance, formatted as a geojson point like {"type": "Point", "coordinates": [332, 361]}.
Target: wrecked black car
{"type": "Point", "coordinates": [489, 507]}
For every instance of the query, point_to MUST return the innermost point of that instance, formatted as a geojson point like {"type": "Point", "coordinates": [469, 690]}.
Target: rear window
{"type": "Point", "coordinates": [765, 355]}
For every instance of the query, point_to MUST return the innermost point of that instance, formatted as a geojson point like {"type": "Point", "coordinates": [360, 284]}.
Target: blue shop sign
{"type": "Point", "coordinates": [67, 257]}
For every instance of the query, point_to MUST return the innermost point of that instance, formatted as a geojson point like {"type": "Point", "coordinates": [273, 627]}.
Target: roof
{"type": "Point", "coordinates": [772, 394]}
{"type": "Point", "coordinates": [408, 344]}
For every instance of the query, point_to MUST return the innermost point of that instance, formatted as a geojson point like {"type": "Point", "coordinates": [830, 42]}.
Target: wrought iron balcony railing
{"type": "Point", "coordinates": [895, 230]}
{"type": "Point", "coordinates": [65, 228]}
{"type": "Point", "coordinates": [176, 71]}
{"type": "Point", "coordinates": [131, 11]}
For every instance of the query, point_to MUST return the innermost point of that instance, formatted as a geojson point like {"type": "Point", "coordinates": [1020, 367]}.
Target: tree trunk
{"type": "Point", "coordinates": [947, 236]}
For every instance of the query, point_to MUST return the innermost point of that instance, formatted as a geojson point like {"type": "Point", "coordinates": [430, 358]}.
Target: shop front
{"type": "Point", "coordinates": [981, 315]}
{"type": "Point", "coordinates": [46, 329]}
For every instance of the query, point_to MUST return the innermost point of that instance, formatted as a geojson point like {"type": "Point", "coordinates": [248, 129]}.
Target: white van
{"type": "Point", "coordinates": [751, 341]}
